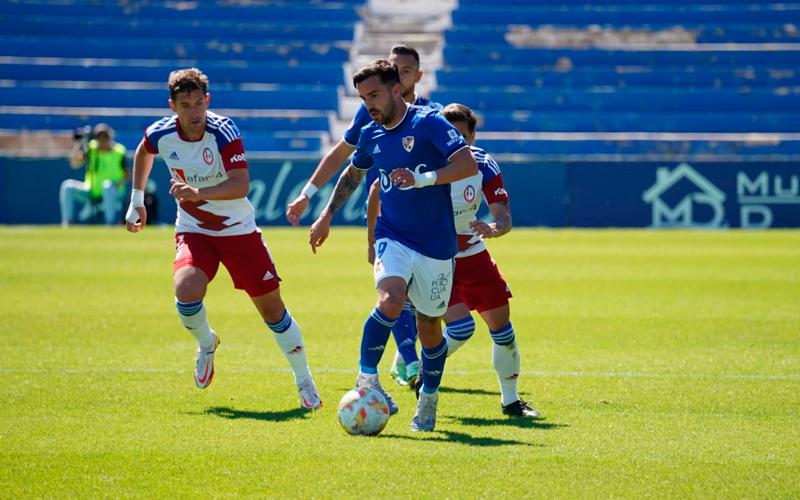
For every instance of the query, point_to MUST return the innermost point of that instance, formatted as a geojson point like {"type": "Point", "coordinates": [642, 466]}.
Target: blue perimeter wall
{"type": "Point", "coordinates": [575, 194]}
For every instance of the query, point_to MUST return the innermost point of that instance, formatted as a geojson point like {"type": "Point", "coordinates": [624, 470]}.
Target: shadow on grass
{"type": "Point", "coordinates": [525, 423]}
{"type": "Point", "coordinates": [267, 416]}
{"type": "Point", "coordinates": [459, 437]}
{"type": "Point", "coordinates": [477, 392]}
{"type": "Point", "coordinates": [399, 388]}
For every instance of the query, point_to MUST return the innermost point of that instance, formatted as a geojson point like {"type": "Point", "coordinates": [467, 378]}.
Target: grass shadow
{"type": "Point", "coordinates": [524, 423]}
{"type": "Point", "coordinates": [478, 392]}
{"type": "Point", "coordinates": [459, 437]}
{"type": "Point", "coordinates": [268, 416]}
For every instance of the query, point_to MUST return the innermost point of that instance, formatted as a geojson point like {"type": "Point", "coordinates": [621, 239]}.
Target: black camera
{"type": "Point", "coordinates": [83, 133]}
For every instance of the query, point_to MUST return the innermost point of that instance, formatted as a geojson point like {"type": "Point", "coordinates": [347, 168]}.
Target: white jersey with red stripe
{"type": "Point", "coordinates": [202, 163]}
{"type": "Point", "coordinates": [467, 195]}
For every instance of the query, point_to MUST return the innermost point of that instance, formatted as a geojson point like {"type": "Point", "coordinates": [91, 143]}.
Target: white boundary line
{"type": "Point", "coordinates": [535, 373]}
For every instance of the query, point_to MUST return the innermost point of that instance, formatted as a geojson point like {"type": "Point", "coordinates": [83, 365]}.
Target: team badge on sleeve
{"type": "Point", "coordinates": [408, 143]}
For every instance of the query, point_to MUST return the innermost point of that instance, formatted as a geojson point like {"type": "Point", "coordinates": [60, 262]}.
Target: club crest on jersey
{"type": "Point", "coordinates": [408, 143]}
{"type": "Point", "coordinates": [469, 194]}
{"type": "Point", "coordinates": [208, 156]}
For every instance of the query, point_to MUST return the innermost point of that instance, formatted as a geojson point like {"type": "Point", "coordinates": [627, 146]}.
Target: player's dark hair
{"type": "Point", "coordinates": [402, 49]}
{"type": "Point", "coordinates": [387, 72]}
{"type": "Point", "coordinates": [186, 80]}
{"type": "Point", "coordinates": [455, 112]}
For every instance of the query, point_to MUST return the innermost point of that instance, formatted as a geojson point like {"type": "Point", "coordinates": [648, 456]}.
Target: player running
{"type": "Point", "coordinates": [478, 284]}
{"type": "Point", "coordinates": [417, 154]}
{"type": "Point", "coordinates": [215, 223]}
{"type": "Point", "coordinates": [405, 366]}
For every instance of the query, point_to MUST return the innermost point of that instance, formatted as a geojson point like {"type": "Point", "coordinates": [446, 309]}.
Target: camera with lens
{"type": "Point", "coordinates": [83, 134]}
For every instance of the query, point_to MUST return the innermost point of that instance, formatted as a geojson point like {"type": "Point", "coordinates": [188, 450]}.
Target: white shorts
{"type": "Point", "coordinates": [429, 280]}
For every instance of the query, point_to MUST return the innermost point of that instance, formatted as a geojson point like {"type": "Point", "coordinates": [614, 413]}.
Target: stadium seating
{"type": "Point", "coordinates": [547, 77]}
{"type": "Point", "coordinates": [274, 67]}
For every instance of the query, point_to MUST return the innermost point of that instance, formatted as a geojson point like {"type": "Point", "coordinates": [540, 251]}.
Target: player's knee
{"type": "Point", "coordinates": [390, 304]}
{"type": "Point", "coordinates": [188, 289]}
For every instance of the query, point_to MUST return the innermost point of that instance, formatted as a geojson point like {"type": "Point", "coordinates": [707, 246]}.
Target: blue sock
{"type": "Point", "coordinates": [373, 342]}
{"type": "Point", "coordinates": [283, 324]}
{"type": "Point", "coordinates": [405, 335]}
{"type": "Point", "coordinates": [503, 336]}
{"type": "Point", "coordinates": [433, 366]}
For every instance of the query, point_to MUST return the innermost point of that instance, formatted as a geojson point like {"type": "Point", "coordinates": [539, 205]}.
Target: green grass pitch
{"type": "Point", "coordinates": [667, 365]}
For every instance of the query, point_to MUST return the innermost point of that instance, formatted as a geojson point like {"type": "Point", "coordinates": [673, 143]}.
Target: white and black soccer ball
{"type": "Point", "coordinates": [363, 411]}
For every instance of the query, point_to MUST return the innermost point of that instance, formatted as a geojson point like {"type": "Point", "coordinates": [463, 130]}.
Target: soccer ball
{"type": "Point", "coordinates": [363, 411]}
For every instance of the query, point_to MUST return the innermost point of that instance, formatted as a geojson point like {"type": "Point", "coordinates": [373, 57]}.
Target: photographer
{"type": "Point", "coordinates": [103, 188]}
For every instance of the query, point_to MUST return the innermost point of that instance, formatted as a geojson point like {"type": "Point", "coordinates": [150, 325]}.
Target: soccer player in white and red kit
{"type": "Point", "coordinates": [215, 223]}
{"type": "Point", "coordinates": [477, 282]}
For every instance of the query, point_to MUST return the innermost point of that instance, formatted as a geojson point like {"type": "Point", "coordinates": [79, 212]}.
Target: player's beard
{"type": "Point", "coordinates": [388, 115]}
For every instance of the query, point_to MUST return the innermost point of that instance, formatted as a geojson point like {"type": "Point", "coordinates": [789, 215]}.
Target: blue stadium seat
{"type": "Point", "coordinates": [469, 54]}
{"type": "Point", "coordinates": [311, 122]}
{"type": "Point", "coordinates": [711, 76]}
{"type": "Point", "coordinates": [289, 97]}
{"type": "Point", "coordinates": [739, 75]}
{"type": "Point", "coordinates": [780, 32]}
{"type": "Point", "coordinates": [644, 121]}
{"type": "Point", "coordinates": [173, 48]}
{"type": "Point", "coordinates": [157, 28]}
{"type": "Point", "coordinates": [622, 14]}
{"type": "Point", "coordinates": [620, 99]}
{"type": "Point", "coordinates": [219, 72]}
{"type": "Point", "coordinates": [297, 10]}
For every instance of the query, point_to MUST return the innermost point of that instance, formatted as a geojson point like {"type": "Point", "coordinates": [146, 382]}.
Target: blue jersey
{"type": "Point", "coordinates": [419, 218]}
{"type": "Point", "coordinates": [363, 118]}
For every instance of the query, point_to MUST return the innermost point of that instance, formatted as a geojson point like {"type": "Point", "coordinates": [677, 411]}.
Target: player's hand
{"type": "Point", "coordinates": [402, 178]}
{"type": "Point", "coordinates": [183, 192]}
{"type": "Point", "coordinates": [371, 254]}
{"type": "Point", "coordinates": [295, 209]}
{"type": "Point", "coordinates": [483, 229]}
{"type": "Point", "coordinates": [319, 231]}
{"type": "Point", "coordinates": [137, 225]}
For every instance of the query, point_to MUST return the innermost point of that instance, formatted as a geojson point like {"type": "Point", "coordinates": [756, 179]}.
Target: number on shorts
{"type": "Point", "coordinates": [381, 248]}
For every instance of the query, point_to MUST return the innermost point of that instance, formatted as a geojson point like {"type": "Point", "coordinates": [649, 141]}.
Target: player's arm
{"type": "Point", "coordinates": [460, 166]}
{"type": "Point", "coordinates": [373, 210]}
{"type": "Point", "coordinates": [236, 186]}
{"type": "Point", "coordinates": [136, 217]}
{"type": "Point", "coordinates": [326, 168]}
{"type": "Point", "coordinates": [346, 185]}
{"type": "Point", "coordinates": [77, 156]}
{"type": "Point", "coordinates": [501, 213]}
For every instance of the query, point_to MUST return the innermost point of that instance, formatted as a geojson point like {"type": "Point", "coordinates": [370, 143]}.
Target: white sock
{"type": "Point", "coordinates": [506, 361]}
{"type": "Point", "coordinates": [456, 333]}
{"type": "Point", "coordinates": [193, 317]}
{"type": "Point", "coordinates": [290, 340]}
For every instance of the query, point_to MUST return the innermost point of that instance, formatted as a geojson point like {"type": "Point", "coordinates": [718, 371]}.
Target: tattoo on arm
{"type": "Point", "coordinates": [345, 186]}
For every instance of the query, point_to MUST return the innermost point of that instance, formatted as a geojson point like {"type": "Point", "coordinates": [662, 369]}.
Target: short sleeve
{"type": "Point", "coordinates": [353, 133]}
{"type": "Point", "coordinates": [233, 156]}
{"type": "Point", "coordinates": [361, 158]}
{"type": "Point", "coordinates": [149, 146]}
{"type": "Point", "coordinates": [444, 136]}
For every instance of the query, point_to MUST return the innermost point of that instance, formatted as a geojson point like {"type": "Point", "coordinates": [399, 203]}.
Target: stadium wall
{"type": "Point", "coordinates": [711, 194]}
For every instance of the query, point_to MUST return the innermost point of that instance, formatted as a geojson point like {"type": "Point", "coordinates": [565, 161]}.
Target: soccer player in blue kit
{"type": "Point", "coordinates": [406, 362]}
{"type": "Point", "coordinates": [417, 154]}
